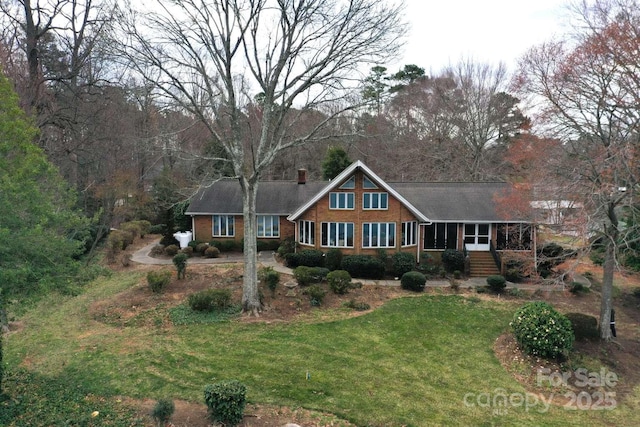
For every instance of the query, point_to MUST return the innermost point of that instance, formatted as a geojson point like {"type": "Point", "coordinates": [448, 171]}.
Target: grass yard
{"type": "Point", "coordinates": [415, 361]}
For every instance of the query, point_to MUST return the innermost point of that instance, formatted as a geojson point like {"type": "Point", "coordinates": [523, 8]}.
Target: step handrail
{"type": "Point", "coordinates": [496, 256]}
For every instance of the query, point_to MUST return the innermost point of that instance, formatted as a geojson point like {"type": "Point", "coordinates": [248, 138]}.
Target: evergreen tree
{"type": "Point", "coordinates": [335, 162]}
{"type": "Point", "coordinates": [38, 225]}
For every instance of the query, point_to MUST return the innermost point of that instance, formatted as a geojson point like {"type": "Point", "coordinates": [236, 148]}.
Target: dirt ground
{"type": "Point", "coordinates": [622, 355]}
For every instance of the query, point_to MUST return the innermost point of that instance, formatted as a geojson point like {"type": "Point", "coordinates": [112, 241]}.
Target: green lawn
{"type": "Point", "coordinates": [414, 362]}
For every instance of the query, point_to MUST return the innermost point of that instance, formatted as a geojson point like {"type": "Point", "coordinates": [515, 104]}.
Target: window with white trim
{"type": "Point", "coordinates": [367, 183]}
{"type": "Point", "coordinates": [374, 201]}
{"type": "Point", "coordinates": [306, 232]}
{"type": "Point", "coordinates": [337, 234]}
{"type": "Point", "coordinates": [378, 235]}
{"type": "Point", "coordinates": [409, 233]}
{"type": "Point", "coordinates": [223, 226]}
{"type": "Point", "coordinates": [268, 226]}
{"type": "Point", "coordinates": [350, 183]}
{"type": "Point", "coordinates": [341, 200]}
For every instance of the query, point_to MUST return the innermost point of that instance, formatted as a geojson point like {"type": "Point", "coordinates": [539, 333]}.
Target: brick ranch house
{"type": "Point", "coordinates": [360, 213]}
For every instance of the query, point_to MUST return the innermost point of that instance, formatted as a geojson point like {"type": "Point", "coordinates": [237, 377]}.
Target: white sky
{"type": "Point", "coordinates": [444, 31]}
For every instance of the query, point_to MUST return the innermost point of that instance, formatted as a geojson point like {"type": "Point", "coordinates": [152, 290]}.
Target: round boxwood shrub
{"type": "Point", "coordinates": [584, 327]}
{"type": "Point", "coordinates": [413, 281]}
{"type": "Point", "coordinates": [171, 250]}
{"type": "Point", "coordinates": [497, 283]}
{"type": "Point", "coordinates": [226, 401]}
{"type": "Point", "coordinates": [453, 260]}
{"type": "Point", "coordinates": [339, 281]}
{"type": "Point", "coordinates": [402, 262]}
{"type": "Point", "coordinates": [542, 331]}
{"type": "Point", "coordinates": [212, 252]}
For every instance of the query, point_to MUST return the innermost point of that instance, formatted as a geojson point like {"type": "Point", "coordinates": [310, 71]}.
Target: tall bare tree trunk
{"type": "Point", "coordinates": [250, 296]}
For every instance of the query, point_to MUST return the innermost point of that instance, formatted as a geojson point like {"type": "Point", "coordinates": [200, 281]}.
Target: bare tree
{"type": "Point", "coordinates": [586, 91]}
{"type": "Point", "coordinates": [212, 58]}
{"type": "Point", "coordinates": [486, 115]}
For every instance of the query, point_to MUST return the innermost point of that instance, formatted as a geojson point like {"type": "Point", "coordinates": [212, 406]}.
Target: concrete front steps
{"type": "Point", "coordinates": [482, 264]}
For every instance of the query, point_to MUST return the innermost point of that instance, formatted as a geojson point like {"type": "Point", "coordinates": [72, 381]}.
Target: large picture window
{"type": "Point", "coordinates": [378, 235]}
{"type": "Point", "coordinates": [306, 232]}
{"type": "Point", "coordinates": [341, 200]}
{"type": "Point", "coordinates": [441, 235]}
{"type": "Point", "coordinates": [375, 201]}
{"type": "Point", "coordinates": [337, 234]}
{"type": "Point", "coordinates": [223, 226]}
{"type": "Point", "coordinates": [409, 233]}
{"type": "Point", "coordinates": [268, 226]}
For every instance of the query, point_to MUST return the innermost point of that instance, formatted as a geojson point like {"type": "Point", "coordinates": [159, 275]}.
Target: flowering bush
{"type": "Point", "coordinates": [542, 331]}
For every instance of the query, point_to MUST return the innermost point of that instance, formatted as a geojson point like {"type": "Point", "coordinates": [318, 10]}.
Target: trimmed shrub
{"type": "Point", "coordinates": [302, 275]}
{"type": "Point", "coordinates": [157, 250]}
{"type": "Point", "coordinates": [157, 229]}
{"type": "Point", "coordinates": [212, 252]}
{"type": "Point", "coordinates": [402, 262]}
{"type": "Point", "coordinates": [226, 401]}
{"type": "Point", "coordinates": [171, 250]}
{"type": "Point", "coordinates": [188, 251]}
{"type": "Point", "coordinates": [316, 294]}
{"type": "Point", "coordinates": [200, 248]}
{"type": "Point", "coordinates": [334, 259]}
{"type": "Point", "coordinates": [210, 300]}
{"type": "Point", "coordinates": [584, 327]}
{"type": "Point", "coordinates": [162, 411]}
{"type": "Point", "coordinates": [270, 277]}
{"type": "Point", "coordinates": [497, 283]}
{"type": "Point", "coordinates": [306, 275]}
{"type": "Point", "coordinates": [158, 280]}
{"type": "Point", "coordinates": [542, 331]}
{"type": "Point", "coordinates": [267, 245]}
{"type": "Point", "coordinates": [339, 281]}
{"type": "Point", "coordinates": [363, 266]}
{"type": "Point", "coordinates": [356, 305]}
{"type": "Point", "coordinates": [453, 260]}
{"type": "Point", "coordinates": [578, 288]}
{"type": "Point", "coordinates": [287, 246]}
{"type": "Point", "coordinates": [180, 261]}
{"type": "Point", "coordinates": [224, 245]}
{"type": "Point", "coordinates": [413, 281]}
{"type": "Point", "coordinates": [306, 257]}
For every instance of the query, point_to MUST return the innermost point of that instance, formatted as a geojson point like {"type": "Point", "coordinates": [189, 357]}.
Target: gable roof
{"type": "Point", "coordinates": [347, 173]}
{"type": "Point", "coordinates": [428, 201]}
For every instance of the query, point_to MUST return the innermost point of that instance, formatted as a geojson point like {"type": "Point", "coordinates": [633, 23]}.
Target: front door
{"type": "Point", "coordinates": [476, 236]}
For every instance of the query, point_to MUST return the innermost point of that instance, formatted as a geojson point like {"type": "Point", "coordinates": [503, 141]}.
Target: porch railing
{"type": "Point", "coordinates": [496, 256]}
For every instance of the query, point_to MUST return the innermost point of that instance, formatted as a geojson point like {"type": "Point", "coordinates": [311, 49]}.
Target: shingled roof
{"type": "Point", "coordinates": [274, 197]}
{"type": "Point", "coordinates": [454, 201]}
{"type": "Point", "coordinates": [430, 201]}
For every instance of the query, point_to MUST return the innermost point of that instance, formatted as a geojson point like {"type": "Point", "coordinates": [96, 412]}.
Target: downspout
{"type": "Point", "coordinates": [193, 227]}
{"type": "Point", "coordinates": [534, 230]}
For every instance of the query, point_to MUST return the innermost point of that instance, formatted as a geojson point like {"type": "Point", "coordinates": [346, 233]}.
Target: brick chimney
{"type": "Point", "coordinates": [302, 176]}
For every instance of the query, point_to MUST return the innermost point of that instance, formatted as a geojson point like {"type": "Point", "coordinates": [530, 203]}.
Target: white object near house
{"type": "Point", "coordinates": [183, 237]}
